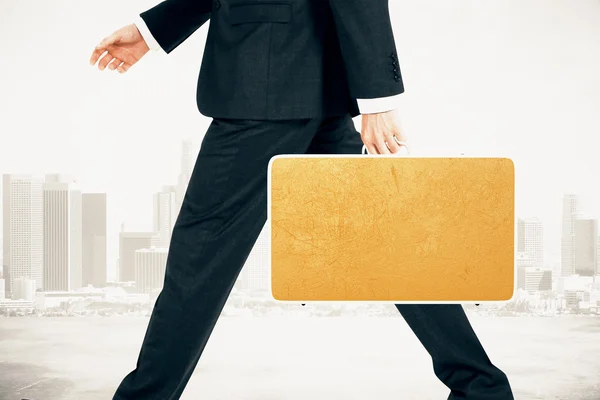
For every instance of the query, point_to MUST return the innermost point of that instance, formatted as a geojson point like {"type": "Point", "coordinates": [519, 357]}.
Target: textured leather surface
{"type": "Point", "coordinates": [392, 228]}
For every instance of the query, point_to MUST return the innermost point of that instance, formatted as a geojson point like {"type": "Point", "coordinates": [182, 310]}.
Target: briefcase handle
{"type": "Point", "coordinates": [364, 150]}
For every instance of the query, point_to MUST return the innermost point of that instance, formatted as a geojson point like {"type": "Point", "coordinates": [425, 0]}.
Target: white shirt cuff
{"type": "Point", "coordinates": [378, 105]}
{"type": "Point", "coordinates": [146, 35]}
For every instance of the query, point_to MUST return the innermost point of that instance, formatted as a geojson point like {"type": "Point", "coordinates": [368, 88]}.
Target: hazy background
{"type": "Point", "coordinates": [507, 78]}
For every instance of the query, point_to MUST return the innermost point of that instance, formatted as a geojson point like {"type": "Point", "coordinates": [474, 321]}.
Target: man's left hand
{"type": "Point", "coordinates": [381, 133]}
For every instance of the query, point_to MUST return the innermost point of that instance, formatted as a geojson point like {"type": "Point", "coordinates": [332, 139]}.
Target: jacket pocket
{"type": "Point", "coordinates": [260, 11]}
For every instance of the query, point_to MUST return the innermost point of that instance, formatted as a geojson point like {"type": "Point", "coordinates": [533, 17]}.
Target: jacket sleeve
{"type": "Point", "coordinates": [368, 47]}
{"type": "Point", "coordinates": [173, 21]}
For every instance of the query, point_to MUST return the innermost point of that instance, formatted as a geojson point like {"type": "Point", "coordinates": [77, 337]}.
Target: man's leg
{"type": "Point", "coordinates": [459, 359]}
{"type": "Point", "coordinates": [223, 212]}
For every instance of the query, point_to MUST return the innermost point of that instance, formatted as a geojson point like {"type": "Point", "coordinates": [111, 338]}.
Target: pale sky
{"type": "Point", "coordinates": [510, 78]}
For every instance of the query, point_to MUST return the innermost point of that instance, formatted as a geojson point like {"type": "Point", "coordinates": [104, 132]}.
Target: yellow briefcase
{"type": "Point", "coordinates": [394, 229]}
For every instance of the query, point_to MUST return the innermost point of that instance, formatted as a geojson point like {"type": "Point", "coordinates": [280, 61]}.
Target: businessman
{"type": "Point", "coordinates": [277, 77]}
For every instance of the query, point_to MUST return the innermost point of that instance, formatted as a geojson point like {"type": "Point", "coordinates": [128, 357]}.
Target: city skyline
{"type": "Point", "coordinates": [555, 244]}
{"type": "Point", "coordinates": [61, 208]}
{"type": "Point", "coordinates": [169, 196]}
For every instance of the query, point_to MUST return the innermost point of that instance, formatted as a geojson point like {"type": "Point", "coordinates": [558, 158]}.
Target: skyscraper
{"type": "Point", "coordinates": [150, 267]}
{"type": "Point", "coordinates": [586, 246]}
{"type": "Point", "coordinates": [570, 212]}
{"type": "Point", "coordinates": [22, 229]}
{"type": "Point", "coordinates": [24, 289]}
{"type": "Point", "coordinates": [534, 279]}
{"type": "Point", "coordinates": [6, 233]}
{"type": "Point", "coordinates": [531, 240]}
{"type": "Point", "coordinates": [129, 243]}
{"type": "Point", "coordinates": [94, 239]}
{"type": "Point", "coordinates": [520, 236]}
{"type": "Point", "coordinates": [165, 214]}
{"type": "Point", "coordinates": [62, 233]}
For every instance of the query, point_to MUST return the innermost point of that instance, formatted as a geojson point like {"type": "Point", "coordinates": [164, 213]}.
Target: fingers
{"type": "Point", "coordinates": [123, 68]}
{"type": "Point", "coordinates": [381, 147]}
{"type": "Point", "coordinates": [392, 144]}
{"type": "Point", "coordinates": [399, 147]}
{"type": "Point", "coordinates": [402, 150]}
{"type": "Point", "coordinates": [114, 64]}
{"type": "Point", "coordinates": [381, 133]}
{"type": "Point", "coordinates": [119, 65]}
{"type": "Point", "coordinates": [115, 38]}
{"type": "Point", "coordinates": [102, 47]}
{"type": "Point", "coordinates": [96, 55]}
{"type": "Point", "coordinates": [105, 60]}
{"type": "Point", "coordinates": [371, 148]}
{"type": "Point", "coordinates": [115, 58]}
{"type": "Point", "coordinates": [375, 145]}
{"type": "Point", "coordinates": [380, 143]}
{"type": "Point", "coordinates": [375, 142]}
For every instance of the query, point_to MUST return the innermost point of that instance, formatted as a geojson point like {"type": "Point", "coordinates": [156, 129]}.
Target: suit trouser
{"type": "Point", "coordinates": [222, 215]}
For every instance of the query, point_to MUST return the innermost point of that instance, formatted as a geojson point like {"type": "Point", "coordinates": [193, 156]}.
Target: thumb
{"type": "Point", "coordinates": [107, 41]}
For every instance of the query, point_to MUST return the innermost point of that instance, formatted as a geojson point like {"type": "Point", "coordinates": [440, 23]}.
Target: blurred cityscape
{"type": "Point", "coordinates": [54, 258]}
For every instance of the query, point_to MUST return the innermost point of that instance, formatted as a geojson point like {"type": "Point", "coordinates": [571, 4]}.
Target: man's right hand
{"type": "Point", "coordinates": [381, 133]}
{"type": "Point", "coordinates": [123, 48]}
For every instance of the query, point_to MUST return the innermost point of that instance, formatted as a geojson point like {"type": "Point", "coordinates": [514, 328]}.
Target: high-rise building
{"type": "Point", "coordinates": [6, 232]}
{"type": "Point", "coordinates": [129, 243]}
{"type": "Point", "coordinates": [94, 271]}
{"type": "Point", "coordinates": [531, 240]}
{"type": "Point", "coordinates": [22, 229]}
{"type": "Point", "coordinates": [524, 259]}
{"type": "Point", "coordinates": [533, 279]}
{"type": "Point", "coordinates": [62, 233]}
{"type": "Point", "coordinates": [520, 236]}
{"type": "Point", "coordinates": [24, 289]}
{"type": "Point", "coordinates": [586, 246]}
{"type": "Point", "coordinates": [165, 214]}
{"type": "Point", "coordinates": [2, 291]}
{"type": "Point", "coordinates": [150, 265]}
{"type": "Point", "coordinates": [570, 212]}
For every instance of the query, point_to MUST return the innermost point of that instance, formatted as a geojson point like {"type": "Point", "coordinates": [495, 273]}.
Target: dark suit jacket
{"type": "Point", "coordinates": [284, 59]}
